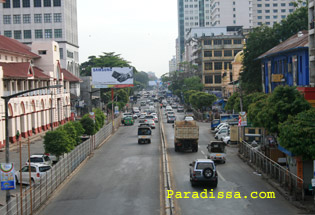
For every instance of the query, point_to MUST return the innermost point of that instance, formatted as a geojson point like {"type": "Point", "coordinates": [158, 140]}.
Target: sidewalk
{"type": "Point", "coordinates": [36, 146]}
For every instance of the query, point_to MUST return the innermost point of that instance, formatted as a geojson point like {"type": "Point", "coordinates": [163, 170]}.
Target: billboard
{"type": "Point", "coordinates": [7, 176]}
{"type": "Point", "coordinates": [112, 77]}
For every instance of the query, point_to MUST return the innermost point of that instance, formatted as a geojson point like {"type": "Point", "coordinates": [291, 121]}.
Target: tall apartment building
{"type": "Point", "coordinates": [222, 13]}
{"type": "Point", "coordinates": [172, 65]}
{"type": "Point", "coordinates": [37, 20]}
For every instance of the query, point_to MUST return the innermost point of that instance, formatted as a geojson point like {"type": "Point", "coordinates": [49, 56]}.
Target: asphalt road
{"type": "Point", "coordinates": [234, 176]}
{"type": "Point", "coordinates": [122, 177]}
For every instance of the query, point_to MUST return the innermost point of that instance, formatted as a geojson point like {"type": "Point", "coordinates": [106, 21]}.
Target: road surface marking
{"type": "Point", "coordinates": [202, 152]}
{"type": "Point", "coordinates": [198, 146]}
{"type": "Point", "coordinates": [223, 179]}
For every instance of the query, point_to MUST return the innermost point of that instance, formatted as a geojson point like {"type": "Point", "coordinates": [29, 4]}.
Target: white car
{"type": "Point", "coordinates": [150, 122]}
{"type": "Point", "coordinates": [40, 159]}
{"type": "Point", "coordinates": [219, 126]}
{"type": "Point", "coordinates": [226, 140]}
{"type": "Point", "coordinates": [222, 133]}
{"type": "Point", "coordinates": [168, 108]}
{"type": "Point", "coordinates": [189, 118]}
{"type": "Point", "coordinates": [37, 171]}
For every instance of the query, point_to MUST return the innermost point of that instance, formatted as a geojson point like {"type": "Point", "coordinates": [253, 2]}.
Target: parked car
{"type": "Point", "coordinates": [219, 126]}
{"type": "Point", "coordinates": [222, 133]}
{"type": "Point", "coordinates": [203, 171]}
{"type": "Point", "coordinates": [39, 159]}
{"type": "Point", "coordinates": [226, 139]}
{"type": "Point", "coordinates": [37, 171]}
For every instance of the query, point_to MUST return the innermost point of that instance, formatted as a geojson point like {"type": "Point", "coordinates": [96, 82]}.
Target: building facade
{"type": "Point", "coordinates": [23, 68]}
{"type": "Point", "coordinates": [48, 20]}
{"type": "Point", "coordinates": [311, 39]}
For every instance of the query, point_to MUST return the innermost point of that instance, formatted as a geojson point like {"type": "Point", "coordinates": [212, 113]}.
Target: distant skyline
{"type": "Point", "coordinates": [142, 32]}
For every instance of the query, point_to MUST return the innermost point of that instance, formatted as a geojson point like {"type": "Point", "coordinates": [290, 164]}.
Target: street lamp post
{"type": "Point", "coordinates": [6, 106]}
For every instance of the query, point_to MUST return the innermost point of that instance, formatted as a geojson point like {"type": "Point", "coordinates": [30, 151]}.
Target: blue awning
{"type": "Point", "coordinates": [285, 151]}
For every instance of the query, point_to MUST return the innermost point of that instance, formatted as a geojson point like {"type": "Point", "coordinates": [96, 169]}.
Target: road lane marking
{"type": "Point", "coordinates": [220, 176]}
{"type": "Point", "coordinates": [202, 152]}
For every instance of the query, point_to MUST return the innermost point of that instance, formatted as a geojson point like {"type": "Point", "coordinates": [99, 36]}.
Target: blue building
{"type": "Point", "coordinates": [286, 63]}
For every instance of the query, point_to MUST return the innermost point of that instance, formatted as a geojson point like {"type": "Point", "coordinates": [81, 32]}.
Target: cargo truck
{"type": "Point", "coordinates": [186, 136]}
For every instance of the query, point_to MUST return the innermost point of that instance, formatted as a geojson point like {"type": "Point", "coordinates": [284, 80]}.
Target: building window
{"type": "Point", "coordinates": [57, 17]}
{"type": "Point", "coordinates": [207, 53]}
{"type": "Point", "coordinates": [267, 5]}
{"type": "Point", "coordinates": [259, 17]}
{"type": "Point", "coordinates": [227, 42]}
{"type": "Point", "coordinates": [16, 19]}
{"type": "Point", "coordinates": [47, 3]}
{"type": "Point", "coordinates": [237, 41]}
{"type": "Point", "coordinates": [57, 3]}
{"type": "Point", "coordinates": [275, 5]}
{"type": "Point", "coordinates": [208, 66]}
{"type": "Point", "coordinates": [37, 3]}
{"type": "Point", "coordinates": [267, 17]}
{"type": "Point", "coordinates": [283, 16]}
{"type": "Point", "coordinates": [47, 18]}
{"type": "Point", "coordinates": [26, 18]}
{"type": "Point", "coordinates": [227, 53]}
{"type": "Point", "coordinates": [7, 4]}
{"type": "Point", "coordinates": [37, 18]}
{"type": "Point", "coordinates": [217, 65]}
{"type": "Point", "coordinates": [217, 54]}
{"type": "Point", "coordinates": [16, 3]}
{"type": "Point", "coordinates": [208, 79]}
{"type": "Point", "coordinates": [227, 65]}
{"type": "Point", "coordinates": [282, 4]}
{"type": "Point", "coordinates": [27, 34]}
{"type": "Point", "coordinates": [217, 79]}
{"type": "Point", "coordinates": [26, 3]}
{"type": "Point", "coordinates": [48, 33]}
{"type": "Point", "coordinates": [58, 33]}
{"type": "Point", "coordinates": [236, 51]}
{"type": "Point", "coordinates": [275, 11]}
{"type": "Point", "coordinates": [267, 11]}
{"type": "Point", "coordinates": [6, 19]}
{"type": "Point", "coordinates": [283, 10]}
{"type": "Point", "coordinates": [61, 53]}
{"type": "Point", "coordinates": [275, 17]}
{"type": "Point", "coordinates": [217, 42]}
{"type": "Point", "coordinates": [207, 42]}
{"type": "Point", "coordinates": [259, 11]}
{"type": "Point", "coordinates": [17, 35]}
{"type": "Point", "coordinates": [7, 33]}
{"type": "Point", "coordinates": [38, 34]}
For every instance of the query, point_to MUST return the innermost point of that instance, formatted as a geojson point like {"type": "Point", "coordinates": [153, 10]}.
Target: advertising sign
{"type": "Point", "coordinates": [116, 110]}
{"type": "Point", "coordinates": [112, 77]}
{"type": "Point", "coordinates": [152, 83]}
{"type": "Point", "coordinates": [242, 121]}
{"type": "Point", "coordinates": [7, 177]}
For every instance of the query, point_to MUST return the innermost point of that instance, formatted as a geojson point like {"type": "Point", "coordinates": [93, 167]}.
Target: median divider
{"type": "Point", "coordinates": [169, 202]}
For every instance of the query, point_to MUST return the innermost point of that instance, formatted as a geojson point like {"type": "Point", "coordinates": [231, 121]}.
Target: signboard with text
{"type": "Point", "coordinates": [242, 120]}
{"type": "Point", "coordinates": [112, 77]}
{"type": "Point", "coordinates": [7, 177]}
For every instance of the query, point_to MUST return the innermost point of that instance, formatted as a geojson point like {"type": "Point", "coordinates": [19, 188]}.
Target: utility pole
{"type": "Point", "coordinates": [7, 144]}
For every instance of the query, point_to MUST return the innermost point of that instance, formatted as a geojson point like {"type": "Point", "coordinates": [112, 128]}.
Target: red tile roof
{"type": "Point", "coordinates": [21, 70]}
{"type": "Point", "coordinates": [69, 76]}
{"type": "Point", "coordinates": [293, 42]}
{"type": "Point", "coordinates": [15, 47]}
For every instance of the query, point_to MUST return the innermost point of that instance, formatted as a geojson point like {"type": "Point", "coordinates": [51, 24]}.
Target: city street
{"type": "Point", "coordinates": [234, 176]}
{"type": "Point", "coordinates": [122, 177]}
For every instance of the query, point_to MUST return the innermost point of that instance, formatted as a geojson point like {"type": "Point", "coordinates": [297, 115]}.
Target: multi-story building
{"type": "Point", "coordinates": [215, 57]}
{"type": "Point", "coordinates": [25, 68]}
{"type": "Point", "coordinates": [271, 12]}
{"type": "Point", "coordinates": [48, 20]}
{"type": "Point", "coordinates": [172, 65]}
{"type": "Point", "coordinates": [311, 39]}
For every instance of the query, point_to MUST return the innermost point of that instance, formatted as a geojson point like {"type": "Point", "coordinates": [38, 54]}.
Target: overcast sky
{"type": "Point", "coordinates": [142, 31]}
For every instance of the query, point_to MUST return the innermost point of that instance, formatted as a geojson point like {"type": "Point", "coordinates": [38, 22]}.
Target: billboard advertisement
{"type": "Point", "coordinates": [7, 176]}
{"type": "Point", "coordinates": [112, 77]}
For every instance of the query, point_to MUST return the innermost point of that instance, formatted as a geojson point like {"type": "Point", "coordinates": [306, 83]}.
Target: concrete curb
{"type": "Point", "coordinates": [282, 192]}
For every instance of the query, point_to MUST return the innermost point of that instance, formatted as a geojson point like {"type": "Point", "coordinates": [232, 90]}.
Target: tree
{"type": "Point", "coordinates": [142, 78]}
{"type": "Point", "coordinates": [283, 102]}
{"type": "Point", "coordinates": [201, 100]}
{"type": "Point", "coordinates": [57, 142]}
{"type": "Point", "coordinates": [88, 125]}
{"type": "Point", "coordinates": [79, 129]}
{"type": "Point", "coordinates": [263, 38]}
{"type": "Point", "coordinates": [187, 95]}
{"type": "Point", "coordinates": [193, 83]}
{"type": "Point", "coordinates": [71, 132]}
{"type": "Point", "coordinates": [231, 101]}
{"type": "Point", "coordinates": [297, 134]}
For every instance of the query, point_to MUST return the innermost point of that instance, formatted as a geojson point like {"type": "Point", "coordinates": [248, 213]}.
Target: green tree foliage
{"type": "Point", "coordinates": [88, 125]}
{"type": "Point", "coordinates": [58, 142]}
{"type": "Point", "coordinates": [231, 102]}
{"type": "Point", "coordinates": [234, 101]}
{"type": "Point", "coordinates": [187, 94]}
{"type": "Point", "coordinates": [283, 102]}
{"type": "Point", "coordinates": [192, 83]}
{"type": "Point", "coordinates": [71, 132]}
{"type": "Point", "coordinates": [263, 38]}
{"type": "Point", "coordinates": [297, 134]}
{"type": "Point", "coordinates": [108, 59]}
{"type": "Point", "coordinates": [201, 100]}
{"type": "Point", "coordinates": [142, 77]}
{"type": "Point", "coordinates": [99, 118]}
{"type": "Point", "coordinates": [79, 129]}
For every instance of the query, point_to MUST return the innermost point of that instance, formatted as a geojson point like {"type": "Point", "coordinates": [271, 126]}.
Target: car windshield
{"type": "Point", "coordinates": [44, 168]}
{"type": "Point", "coordinates": [149, 117]}
{"type": "Point", "coordinates": [36, 160]}
{"type": "Point", "coordinates": [144, 131]}
{"type": "Point", "coordinates": [204, 165]}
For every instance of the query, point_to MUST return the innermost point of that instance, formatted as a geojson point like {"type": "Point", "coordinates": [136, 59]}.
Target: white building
{"type": "Point", "coordinates": [172, 65]}
{"type": "Point", "coordinates": [48, 20]}
{"type": "Point", "coordinates": [23, 68]}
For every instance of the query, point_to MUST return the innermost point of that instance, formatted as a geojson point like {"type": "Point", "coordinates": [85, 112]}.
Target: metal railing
{"type": "Point", "coordinates": [284, 178]}
{"type": "Point", "coordinates": [33, 198]}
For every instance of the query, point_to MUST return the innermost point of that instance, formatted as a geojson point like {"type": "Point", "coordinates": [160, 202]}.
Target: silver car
{"type": "Point", "coordinates": [203, 171]}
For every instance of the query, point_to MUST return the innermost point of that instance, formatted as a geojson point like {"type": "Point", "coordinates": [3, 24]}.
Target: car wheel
{"type": "Point", "coordinates": [16, 180]}
{"type": "Point", "coordinates": [207, 172]}
{"type": "Point", "coordinates": [33, 182]}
